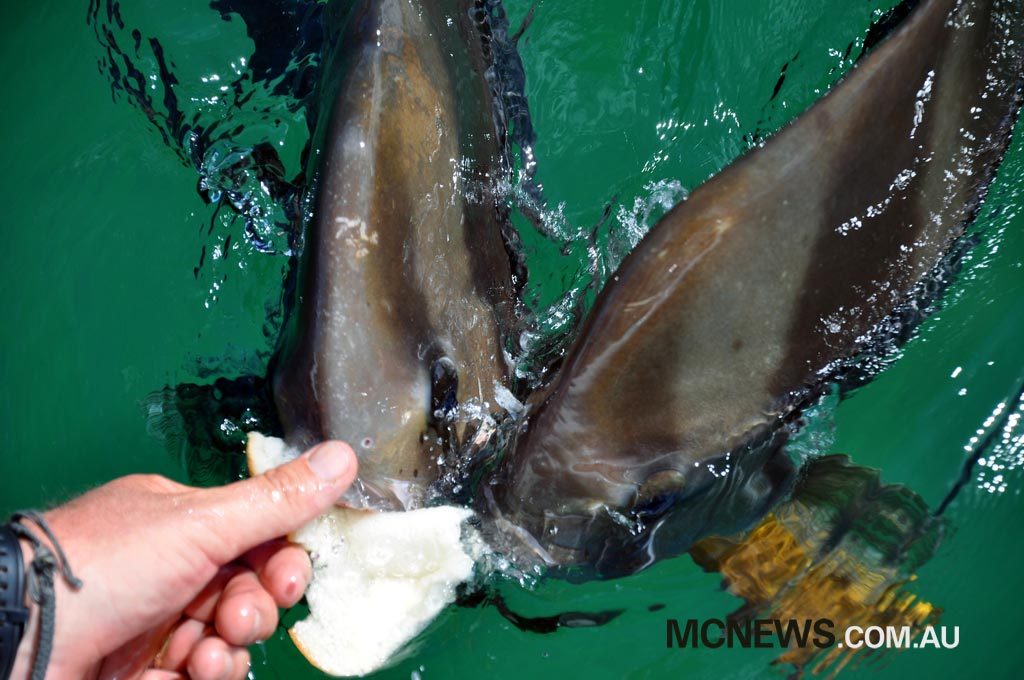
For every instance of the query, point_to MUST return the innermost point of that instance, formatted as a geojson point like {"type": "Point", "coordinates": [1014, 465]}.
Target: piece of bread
{"type": "Point", "coordinates": [378, 577]}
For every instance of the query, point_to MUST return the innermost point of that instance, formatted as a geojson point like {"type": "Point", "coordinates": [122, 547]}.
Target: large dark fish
{"type": "Point", "coordinates": [404, 282]}
{"type": "Point", "coordinates": [742, 303]}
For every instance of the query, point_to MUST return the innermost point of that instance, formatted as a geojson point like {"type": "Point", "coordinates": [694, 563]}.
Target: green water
{"type": "Point", "coordinates": [102, 228]}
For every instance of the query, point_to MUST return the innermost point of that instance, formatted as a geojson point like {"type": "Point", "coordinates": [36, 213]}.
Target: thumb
{"type": "Point", "coordinates": [259, 509]}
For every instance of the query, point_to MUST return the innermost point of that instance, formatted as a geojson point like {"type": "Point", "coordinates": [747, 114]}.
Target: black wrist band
{"type": "Point", "coordinates": [13, 613]}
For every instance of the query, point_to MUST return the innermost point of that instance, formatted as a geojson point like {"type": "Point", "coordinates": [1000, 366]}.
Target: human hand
{"type": "Point", "coordinates": [178, 580]}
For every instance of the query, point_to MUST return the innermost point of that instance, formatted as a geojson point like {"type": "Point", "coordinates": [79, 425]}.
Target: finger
{"type": "Point", "coordinates": [203, 606]}
{"type": "Point", "coordinates": [135, 656]}
{"type": "Point", "coordinates": [284, 570]}
{"type": "Point", "coordinates": [246, 613]}
{"type": "Point", "coordinates": [181, 643]}
{"type": "Point", "coordinates": [159, 674]}
{"type": "Point", "coordinates": [256, 510]}
{"type": "Point", "coordinates": [211, 659]}
{"type": "Point", "coordinates": [218, 661]}
{"type": "Point", "coordinates": [258, 557]}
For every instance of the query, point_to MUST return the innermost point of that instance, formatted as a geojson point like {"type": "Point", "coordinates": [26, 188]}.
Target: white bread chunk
{"type": "Point", "coordinates": [379, 578]}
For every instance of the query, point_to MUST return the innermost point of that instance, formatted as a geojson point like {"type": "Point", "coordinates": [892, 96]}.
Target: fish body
{"type": "Point", "coordinates": [665, 423]}
{"type": "Point", "coordinates": [404, 281]}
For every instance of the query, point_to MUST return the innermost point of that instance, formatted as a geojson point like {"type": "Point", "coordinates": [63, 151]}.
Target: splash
{"type": "Point", "coordinates": [1006, 455]}
{"type": "Point", "coordinates": [239, 124]}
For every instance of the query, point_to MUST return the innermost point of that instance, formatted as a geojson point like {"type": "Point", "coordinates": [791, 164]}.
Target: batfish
{"type": "Point", "coordinates": [405, 282]}
{"type": "Point", "coordinates": [666, 421]}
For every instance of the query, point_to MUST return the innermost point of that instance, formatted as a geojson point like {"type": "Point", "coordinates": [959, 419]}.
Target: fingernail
{"type": "Point", "coordinates": [228, 667]}
{"type": "Point", "coordinates": [255, 624]}
{"type": "Point", "coordinates": [329, 462]}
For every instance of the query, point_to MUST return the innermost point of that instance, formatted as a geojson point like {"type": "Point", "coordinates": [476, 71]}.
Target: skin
{"type": "Point", "coordinates": [209, 583]}
{"type": "Point", "coordinates": [741, 302]}
{"type": "Point", "coordinates": [402, 273]}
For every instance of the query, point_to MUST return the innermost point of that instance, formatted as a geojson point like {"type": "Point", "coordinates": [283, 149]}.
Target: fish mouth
{"type": "Point", "coordinates": [395, 495]}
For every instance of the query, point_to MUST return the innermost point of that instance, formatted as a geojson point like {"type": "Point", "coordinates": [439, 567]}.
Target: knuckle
{"type": "Point", "coordinates": [247, 584]}
{"type": "Point", "coordinates": [146, 482]}
{"type": "Point", "coordinates": [130, 481]}
{"type": "Point", "coordinates": [289, 485]}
